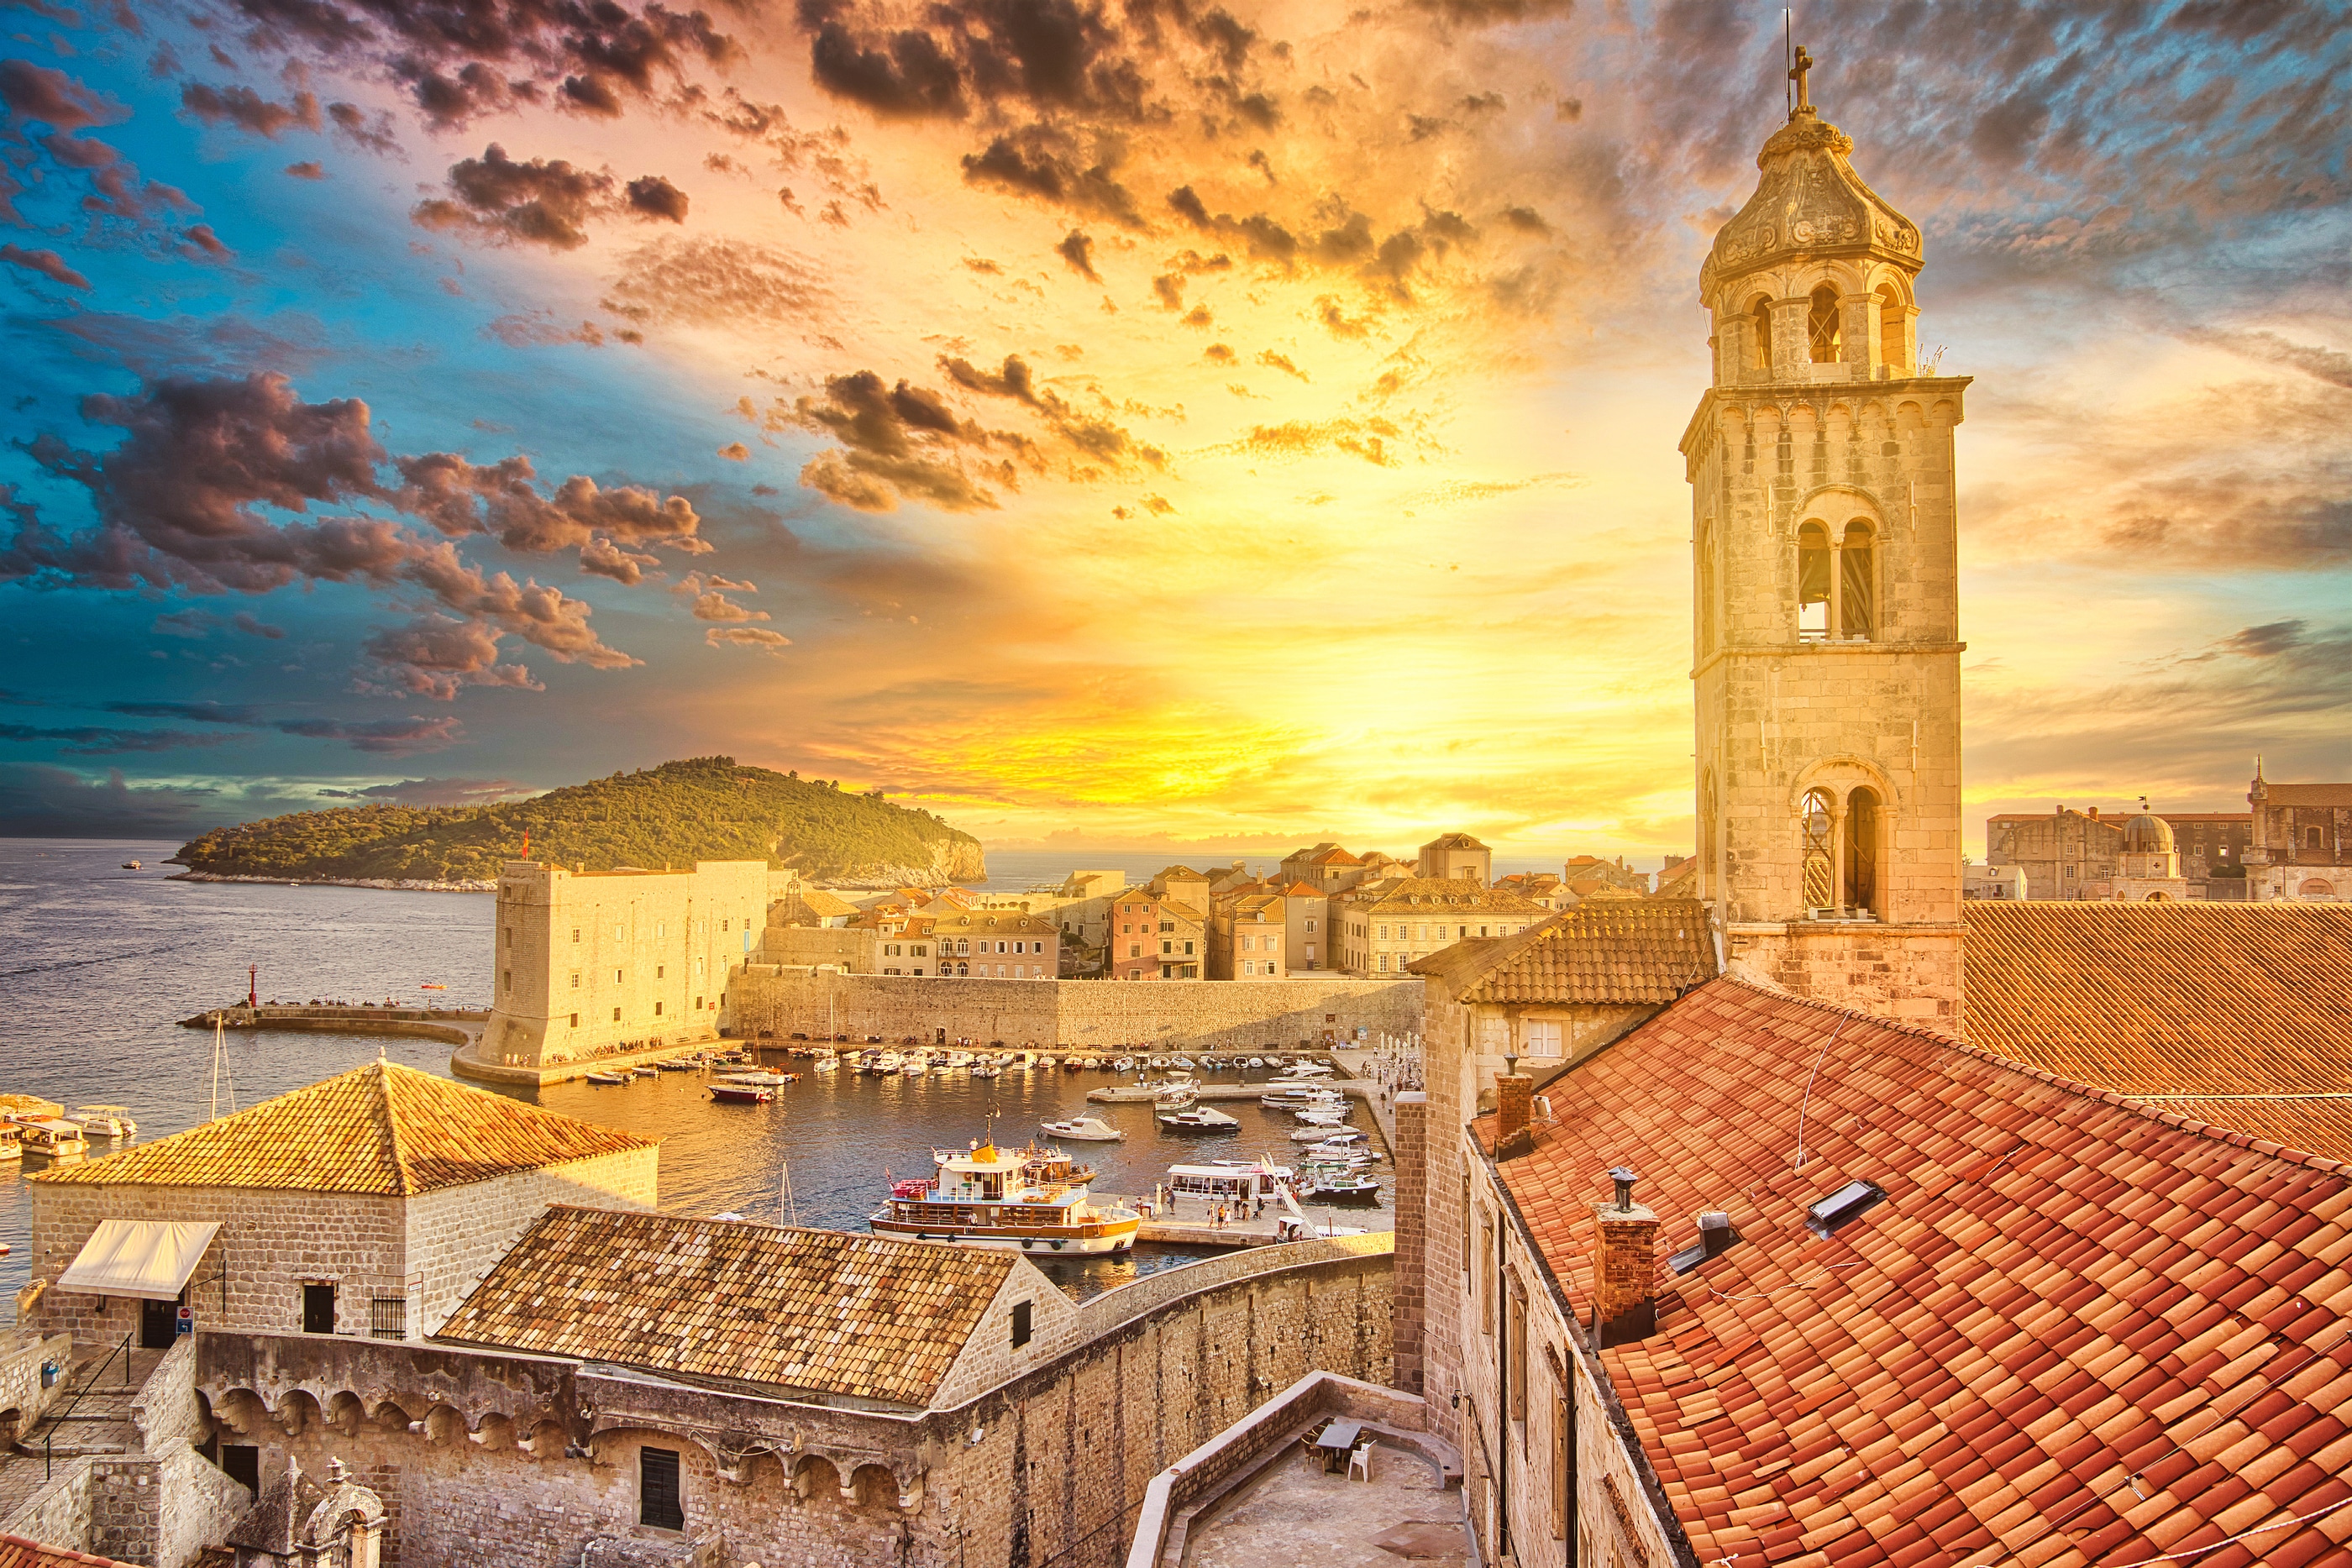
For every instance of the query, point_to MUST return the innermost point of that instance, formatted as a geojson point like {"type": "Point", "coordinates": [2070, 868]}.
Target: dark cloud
{"type": "Point", "coordinates": [247, 110]}
{"type": "Point", "coordinates": [440, 792]}
{"type": "Point", "coordinates": [902, 76]}
{"type": "Point", "coordinates": [1273, 361]}
{"type": "Point", "coordinates": [53, 98]}
{"type": "Point", "coordinates": [1096, 440]}
{"type": "Point", "coordinates": [197, 624]}
{"type": "Point", "coordinates": [308, 168]}
{"type": "Point", "coordinates": [1077, 255]}
{"type": "Point", "coordinates": [706, 282]}
{"type": "Point", "coordinates": [47, 263]}
{"type": "Point", "coordinates": [383, 736]}
{"type": "Point", "coordinates": [2330, 365]}
{"type": "Point", "coordinates": [190, 712]}
{"type": "Point", "coordinates": [901, 443]}
{"type": "Point", "coordinates": [1043, 163]}
{"type": "Point", "coordinates": [1495, 12]}
{"type": "Point", "coordinates": [38, 800]}
{"type": "Point", "coordinates": [542, 202]}
{"type": "Point", "coordinates": [655, 197]}
{"type": "Point", "coordinates": [92, 740]}
{"type": "Point", "coordinates": [352, 126]}
{"type": "Point", "coordinates": [436, 655]}
{"type": "Point", "coordinates": [111, 185]}
{"type": "Point", "coordinates": [2267, 641]}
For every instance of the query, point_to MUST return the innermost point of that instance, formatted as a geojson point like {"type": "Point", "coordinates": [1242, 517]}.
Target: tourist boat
{"type": "Point", "coordinates": [1233, 1179]}
{"type": "Point", "coordinates": [1045, 1167]}
{"type": "Point", "coordinates": [1197, 1119]}
{"type": "Point", "coordinates": [1298, 1071]}
{"type": "Point", "coordinates": [105, 1122]}
{"type": "Point", "coordinates": [1339, 1188]}
{"type": "Point", "coordinates": [727, 1094]}
{"type": "Point", "coordinates": [602, 1077]}
{"type": "Point", "coordinates": [55, 1138]}
{"type": "Point", "coordinates": [980, 1198]}
{"type": "Point", "coordinates": [1086, 1130]}
{"type": "Point", "coordinates": [1175, 1096]}
{"type": "Point", "coordinates": [12, 1141]}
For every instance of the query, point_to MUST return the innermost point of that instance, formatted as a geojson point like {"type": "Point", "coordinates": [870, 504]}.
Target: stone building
{"type": "Point", "coordinates": [1002, 944]}
{"type": "Point", "coordinates": [1457, 855]}
{"type": "Point", "coordinates": [1160, 933]}
{"type": "Point", "coordinates": [2302, 845]}
{"type": "Point", "coordinates": [2070, 853]}
{"type": "Point", "coordinates": [1826, 647]}
{"type": "Point", "coordinates": [2149, 868]}
{"type": "Point", "coordinates": [368, 1203]}
{"type": "Point", "coordinates": [1247, 937]}
{"type": "Point", "coordinates": [1379, 928]}
{"type": "Point", "coordinates": [591, 963]}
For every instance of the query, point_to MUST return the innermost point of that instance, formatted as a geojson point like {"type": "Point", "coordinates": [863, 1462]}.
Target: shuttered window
{"type": "Point", "coordinates": [659, 1502]}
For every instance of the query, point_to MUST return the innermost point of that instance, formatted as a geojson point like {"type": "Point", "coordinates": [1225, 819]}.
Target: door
{"type": "Point", "coordinates": [318, 1309]}
{"type": "Point", "coordinates": [159, 1324]}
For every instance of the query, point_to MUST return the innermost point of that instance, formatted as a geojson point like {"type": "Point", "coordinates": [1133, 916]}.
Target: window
{"type": "Point", "coordinates": [1310, 925]}
{"type": "Point", "coordinates": [1849, 1202]}
{"type": "Point", "coordinates": [616, 976]}
{"type": "Point", "coordinates": [1823, 333]}
{"type": "Point", "coordinates": [1819, 869]}
{"type": "Point", "coordinates": [1381, 963]}
{"type": "Point", "coordinates": [1166, 946]}
{"type": "Point", "coordinates": [575, 1020]}
{"type": "Point", "coordinates": [920, 950]}
{"type": "Point", "coordinates": [1135, 949]}
{"type": "Point", "coordinates": [1563, 1461]}
{"type": "Point", "coordinates": [388, 1317]}
{"type": "Point", "coordinates": [1486, 1273]}
{"type": "Point", "coordinates": [659, 1502]}
{"type": "Point", "coordinates": [318, 1309]}
{"type": "Point", "coordinates": [575, 933]}
{"type": "Point", "coordinates": [2313, 839]}
{"type": "Point", "coordinates": [510, 936]}
{"type": "Point", "coordinates": [576, 980]}
{"type": "Point", "coordinates": [1021, 1323]}
{"type": "Point", "coordinates": [1543, 1038]}
{"type": "Point", "coordinates": [1248, 967]}
{"type": "Point", "coordinates": [1760, 335]}
{"type": "Point", "coordinates": [1862, 850]}
{"type": "Point", "coordinates": [1857, 582]}
{"type": "Point", "coordinates": [657, 1010]}
{"type": "Point", "coordinates": [507, 979]}
{"type": "Point", "coordinates": [1187, 948]}
{"type": "Point", "coordinates": [660, 969]}
{"type": "Point", "coordinates": [1894, 329]}
{"type": "Point", "coordinates": [1812, 583]}
{"type": "Point", "coordinates": [616, 1015]}
{"type": "Point", "coordinates": [1519, 1390]}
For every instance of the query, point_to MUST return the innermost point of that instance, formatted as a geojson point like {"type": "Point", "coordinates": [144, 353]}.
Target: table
{"type": "Point", "coordinates": [1338, 1441]}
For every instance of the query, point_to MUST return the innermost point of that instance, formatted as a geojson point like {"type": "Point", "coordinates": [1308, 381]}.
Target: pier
{"type": "Point", "coordinates": [459, 1026]}
{"type": "Point", "coordinates": [1189, 1222]}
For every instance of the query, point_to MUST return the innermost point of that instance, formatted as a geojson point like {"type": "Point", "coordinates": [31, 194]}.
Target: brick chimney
{"type": "Point", "coordinates": [1513, 1099]}
{"type": "Point", "coordinates": [1624, 1266]}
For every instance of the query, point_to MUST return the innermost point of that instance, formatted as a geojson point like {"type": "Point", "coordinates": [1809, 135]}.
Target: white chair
{"type": "Point", "coordinates": [1361, 1459]}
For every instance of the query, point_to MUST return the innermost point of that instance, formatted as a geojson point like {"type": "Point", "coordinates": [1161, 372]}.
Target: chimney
{"type": "Point", "coordinates": [1513, 1092]}
{"type": "Point", "coordinates": [1624, 1266]}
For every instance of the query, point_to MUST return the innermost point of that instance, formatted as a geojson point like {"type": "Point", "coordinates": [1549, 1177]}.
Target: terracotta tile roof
{"type": "Point", "coordinates": [824, 1311]}
{"type": "Point", "coordinates": [15, 1551]}
{"type": "Point", "coordinates": [1408, 895]}
{"type": "Point", "coordinates": [1454, 841]}
{"type": "Point", "coordinates": [2249, 1001]}
{"type": "Point", "coordinates": [1302, 890]}
{"type": "Point", "coordinates": [824, 904]}
{"type": "Point", "coordinates": [2076, 1329]}
{"type": "Point", "coordinates": [2339, 796]}
{"type": "Point", "coordinates": [380, 1128]}
{"type": "Point", "coordinates": [1601, 951]}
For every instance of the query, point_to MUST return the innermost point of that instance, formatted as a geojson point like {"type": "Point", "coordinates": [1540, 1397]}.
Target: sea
{"type": "Point", "coordinates": [98, 964]}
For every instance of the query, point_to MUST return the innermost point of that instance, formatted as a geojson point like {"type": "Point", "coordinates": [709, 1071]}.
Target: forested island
{"type": "Point", "coordinates": [703, 807]}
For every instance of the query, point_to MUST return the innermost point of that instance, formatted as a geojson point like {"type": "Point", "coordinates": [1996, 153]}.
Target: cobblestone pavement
{"type": "Point", "coordinates": [1294, 1513]}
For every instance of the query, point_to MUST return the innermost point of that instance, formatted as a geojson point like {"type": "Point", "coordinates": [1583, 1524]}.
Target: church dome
{"type": "Point", "coordinates": [2147, 834]}
{"type": "Point", "coordinates": [1808, 202]}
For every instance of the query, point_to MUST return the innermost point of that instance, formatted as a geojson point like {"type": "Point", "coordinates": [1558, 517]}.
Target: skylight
{"type": "Point", "coordinates": [1849, 1202]}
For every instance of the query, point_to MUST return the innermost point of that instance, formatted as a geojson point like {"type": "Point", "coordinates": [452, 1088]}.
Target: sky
{"type": "Point", "coordinates": [1123, 421]}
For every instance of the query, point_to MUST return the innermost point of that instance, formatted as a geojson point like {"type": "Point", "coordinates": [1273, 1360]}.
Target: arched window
{"type": "Point", "coordinates": [1706, 816]}
{"type": "Point", "coordinates": [1760, 335]}
{"type": "Point", "coordinates": [1823, 333]}
{"type": "Point", "coordinates": [1894, 330]}
{"type": "Point", "coordinates": [1857, 582]}
{"type": "Point", "coordinates": [1820, 864]}
{"type": "Point", "coordinates": [1812, 583]}
{"type": "Point", "coordinates": [1861, 851]}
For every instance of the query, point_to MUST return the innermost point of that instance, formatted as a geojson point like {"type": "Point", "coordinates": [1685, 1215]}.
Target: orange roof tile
{"type": "Point", "coordinates": [2250, 1002]}
{"type": "Point", "coordinates": [868, 1316]}
{"type": "Point", "coordinates": [380, 1128]}
{"type": "Point", "coordinates": [2076, 1329]}
{"type": "Point", "coordinates": [15, 1551]}
{"type": "Point", "coordinates": [1601, 951]}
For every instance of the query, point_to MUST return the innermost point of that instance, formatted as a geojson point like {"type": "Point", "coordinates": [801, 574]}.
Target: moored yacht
{"type": "Point", "coordinates": [982, 1197]}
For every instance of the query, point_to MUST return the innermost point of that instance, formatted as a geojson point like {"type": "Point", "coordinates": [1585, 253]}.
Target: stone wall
{"type": "Point", "coordinates": [1912, 973]}
{"type": "Point", "coordinates": [492, 1460]}
{"type": "Point", "coordinates": [22, 1397]}
{"type": "Point", "coordinates": [1173, 1015]}
{"type": "Point", "coordinates": [59, 1513]}
{"type": "Point", "coordinates": [1408, 1147]}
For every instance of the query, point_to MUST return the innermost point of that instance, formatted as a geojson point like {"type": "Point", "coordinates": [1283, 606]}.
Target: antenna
{"type": "Point", "coordinates": [1788, 56]}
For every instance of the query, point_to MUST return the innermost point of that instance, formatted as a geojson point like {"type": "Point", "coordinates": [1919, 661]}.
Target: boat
{"type": "Point", "coordinates": [1124, 1064]}
{"type": "Point", "coordinates": [131, 865]}
{"type": "Point", "coordinates": [1299, 1071]}
{"type": "Point", "coordinates": [12, 1141]}
{"type": "Point", "coordinates": [959, 1058]}
{"type": "Point", "coordinates": [826, 1062]}
{"type": "Point", "coordinates": [742, 1094]}
{"type": "Point", "coordinates": [601, 1077]}
{"type": "Point", "coordinates": [1322, 1116]}
{"type": "Point", "coordinates": [1337, 1188]}
{"type": "Point", "coordinates": [55, 1138]}
{"type": "Point", "coordinates": [1157, 1061]}
{"type": "Point", "coordinates": [912, 1068]}
{"type": "Point", "coordinates": [762, 1080]}
{"type": "Point", "coordinates": [1256, 1062]}
{"type": "Point", "coordinates": [991, 1070]}
{"type": "Point", "coordinates": [1086, 1130]}
{"type": "Point", "coordinates": [677, 1064]}
{"type": "Point", "coordinates": [1175, 1096]}
{"type": "Point", "coordinates": [980, 1198]}
{"type": "Point", "coordinates": [105, 1122]}
{"type": "Point", "coordinates": [1186, 1063]}
{"type": "Point", "coordinates": [1197, 1119]}
{"type": "Point", "coordinates": [1046, 1166]}
{"type": "Point", "coordinates": [1229, 1179]}
{"type": "Point", "coordinates": [432, 986]}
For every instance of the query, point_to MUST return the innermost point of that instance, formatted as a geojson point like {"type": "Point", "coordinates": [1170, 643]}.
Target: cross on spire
{"type": "Point", "coordinates": [1804, 63]}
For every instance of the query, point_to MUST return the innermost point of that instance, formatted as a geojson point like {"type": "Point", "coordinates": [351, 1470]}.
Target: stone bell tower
{"type": "Point", "coordinates": [1826, 638]}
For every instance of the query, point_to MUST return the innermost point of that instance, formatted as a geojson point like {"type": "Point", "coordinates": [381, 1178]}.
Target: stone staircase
{"type": "Point", "coordinates": [91, 1416]}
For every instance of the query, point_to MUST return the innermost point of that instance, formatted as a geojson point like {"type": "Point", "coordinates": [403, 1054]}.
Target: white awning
{"type": "Point", "coordinates": [150, 1259]}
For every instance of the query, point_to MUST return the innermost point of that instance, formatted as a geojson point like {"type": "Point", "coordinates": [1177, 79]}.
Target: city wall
{"type": "Point", "coordinates": [782, 1000]}
{"type": "Point", "coordinates": [489, 1457]}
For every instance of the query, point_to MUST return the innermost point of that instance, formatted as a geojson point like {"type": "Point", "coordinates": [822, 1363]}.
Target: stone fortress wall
{"type": "Point", "coordinates": [586, 963]}
{"type": "Point", "coordinates": [784, 1000]}
{"type": "Point", "coordinates": [499, 1458]}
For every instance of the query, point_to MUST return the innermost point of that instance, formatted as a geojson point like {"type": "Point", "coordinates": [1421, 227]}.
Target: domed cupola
{"type": "Point", "coordinates": [2147, 834]}
{"type": "Point", "coordinates": [1812, 279]}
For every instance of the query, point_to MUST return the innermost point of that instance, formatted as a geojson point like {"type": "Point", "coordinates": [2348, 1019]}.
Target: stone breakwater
{"type": "Point", "coordinates": [389, 883]}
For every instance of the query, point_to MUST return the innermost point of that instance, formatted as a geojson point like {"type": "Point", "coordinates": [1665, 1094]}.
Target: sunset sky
{"type": "Point", "coordinates": [1245, 423]}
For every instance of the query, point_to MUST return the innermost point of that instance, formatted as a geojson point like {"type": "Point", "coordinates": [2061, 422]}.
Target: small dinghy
{"type": "Point", "coordinates": [742, 1094]}
{"type": "Point", "coordinates": [609, 1077]}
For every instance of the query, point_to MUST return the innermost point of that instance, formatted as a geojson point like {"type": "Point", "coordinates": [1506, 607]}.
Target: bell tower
{"type": "Point", "coordinates": [1826, 634]}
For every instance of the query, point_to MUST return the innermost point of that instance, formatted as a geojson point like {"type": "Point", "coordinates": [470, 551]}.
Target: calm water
{"type": "Point", "coordinates": [98, 963]}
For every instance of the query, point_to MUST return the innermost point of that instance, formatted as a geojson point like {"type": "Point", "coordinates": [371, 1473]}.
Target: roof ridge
{"type": "Point", "coordinates": [396, 1149]}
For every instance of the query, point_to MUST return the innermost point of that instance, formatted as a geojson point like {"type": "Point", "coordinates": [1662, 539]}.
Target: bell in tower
{"type": "Point", "coordinates": [1826, 651]}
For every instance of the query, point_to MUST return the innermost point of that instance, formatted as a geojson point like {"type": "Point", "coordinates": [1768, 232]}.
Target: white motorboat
{"type": "Point", "coordinates": [54, 1136]}
{"type": "Point", "coordinates": [959, 1058]}
{"type": "Point", "coordinates": [913, 1069]}
{"type": "Point", "coordinates": [1157, 1061]}
{"type": "Point", "coordinates": [105, 1122]}
{"type": "Point", "coordinates": [1258, 1062]}
{"type": "Point", "coordinates": [1124, 1064]}
{"type": "Point", "coordinates": [1197, 1119]}
{"type": "Point", "coordinates": [989, 1070]}
{"type": "Point", "coordinates": [1319, 1117]}
{"type": "Point", "coordinates": [1186, 1063]}
{"type": "Point", "coordinates": [1086, 1130]}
